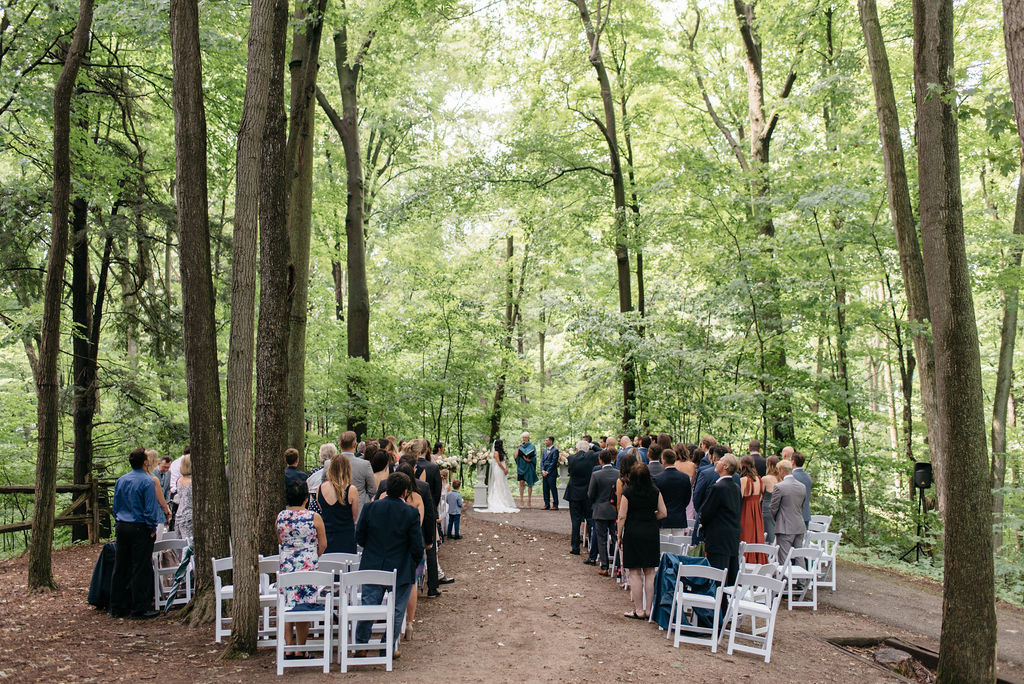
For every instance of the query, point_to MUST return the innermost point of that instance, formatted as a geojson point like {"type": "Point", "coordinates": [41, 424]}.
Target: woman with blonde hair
{"type": "Point", "coordinates": [770, 479]}
{"type": "Point", "coordinates": [183, 517]}
{"type": "Point", "coordinates": [338, 502]}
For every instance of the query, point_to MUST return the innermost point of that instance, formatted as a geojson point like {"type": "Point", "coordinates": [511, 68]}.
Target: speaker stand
{"type": "Point", "coordinates": [917, 549]}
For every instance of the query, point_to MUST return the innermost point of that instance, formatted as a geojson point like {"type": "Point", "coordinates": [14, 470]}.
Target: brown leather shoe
{"type": "Point", "coordinates": [603, 572]}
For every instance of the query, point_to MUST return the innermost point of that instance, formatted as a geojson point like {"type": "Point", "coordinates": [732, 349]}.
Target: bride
{"type": "Point", "coordinates": [499, 496]}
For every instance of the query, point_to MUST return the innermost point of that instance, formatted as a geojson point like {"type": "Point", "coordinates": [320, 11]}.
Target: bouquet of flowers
{"type": "Point", "coordinates": [563, 458]}
{"type": "Point", "coordinates": [478, 458]}
{"type": "Point", "coordinates": [449, 463]}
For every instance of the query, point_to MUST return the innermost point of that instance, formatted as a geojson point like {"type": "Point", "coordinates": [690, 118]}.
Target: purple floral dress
{"type": "Point", "coordinates": [298, 538]}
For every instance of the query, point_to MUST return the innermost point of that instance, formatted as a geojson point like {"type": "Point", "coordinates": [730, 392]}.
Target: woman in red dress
{"type": "Point", "coordinates": [751, 520]}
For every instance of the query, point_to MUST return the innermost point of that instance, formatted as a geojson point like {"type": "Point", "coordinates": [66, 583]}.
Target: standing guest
{"type": "Point", "coordinates": [303, 539]}
{"type": "Point", "coordinates": [454, 510]}
{"type": "Point", "coordinates": [338, 502]}
{"type": "Point", "coordinates": [601, 494]}
{"type": "Point", "coordinates": [131, 586]}
{"type": "Point", "coordinates": [770, 479]}
{"type": "Point", "coordinates": [640, 508]}
{"type": "Point", "coordinates": [675, 489]}
{"type": "Point", "coordinates": [183, 516]}
{"type": "Point", "coordinates": [787, 509]}
{"type": "Point", "coordinates": [291, 469]}
{"type": "Point", "coordinates": [643, 448]}
{"type": "Point", "coordinates": [720, 519]}
{"type": "Point", "coordinates": [654, 463]}
{"type": "Point", "coordinates": [390, 533]}
{"type": "Point", "coordinates": [581, 467]}
{"type": "Point", "coordinates": [706, 477]}
{"type": "Point", "coordinates": [442, 509]}
{"type": "Point", "coordinates": [803, 478]}
{"type": "Point", "coordinates": [176, 468]}
{"type": "Point", "coordinates": [380, 463]}
{"type": "Point", "coordinates": [751, 521]}
{"type": "Point", "coordinates": [408, 465]}
{"type": "Point", "coordinates": [760, 465]}
{"type": "Point", "coordinates": [164, 473]}
{"type": "Point", "coordinates": [625, 465]}
{"type": "Point", "coordinates": [316, 476]}
{"type": "Point", "coordinates": [665, 441]}
{"type": "Point", "coordinates": [163, 510]}
{"type": "Point", "coordinates": [549, 472]}
{"type": "Point", "coordinates": [426, 469]}
{"type": "Point", "coordinates": [362, 473]}
{"type": "Point", "coordinates": [685, 460]}
{"type": "Point", "coordinates": [526, 468]}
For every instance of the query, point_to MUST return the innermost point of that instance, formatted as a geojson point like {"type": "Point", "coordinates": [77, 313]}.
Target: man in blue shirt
{"type": "Point", "coordinates": [135, 506]}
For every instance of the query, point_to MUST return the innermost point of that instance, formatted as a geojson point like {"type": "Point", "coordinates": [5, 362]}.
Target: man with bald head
{"type": "Point", "coordinates": [787, 509]}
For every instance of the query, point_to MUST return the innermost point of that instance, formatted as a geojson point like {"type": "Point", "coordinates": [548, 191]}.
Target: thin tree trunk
{"type": "Point", "coordinates": [84, 373]}
{"type": "Point", "coordinates": [911, 262]}
{"type": "Point", "coordinates": [968, 641]}
{"type": "Point", "coordinates": [541, 340]}
{"type": "Point", "coordinates": [506, 343]}
{"type": "Point", "coordinates": [40, 572]}
{"type": "Point", "coordinates": [202, 375]}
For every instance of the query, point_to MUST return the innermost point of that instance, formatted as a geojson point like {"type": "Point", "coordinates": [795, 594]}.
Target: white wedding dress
{"type": "Point", "coordinates": [499, 496]}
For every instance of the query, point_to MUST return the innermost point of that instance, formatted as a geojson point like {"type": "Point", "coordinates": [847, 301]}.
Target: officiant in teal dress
{"type": "Point", "coordinates": [526, 469]}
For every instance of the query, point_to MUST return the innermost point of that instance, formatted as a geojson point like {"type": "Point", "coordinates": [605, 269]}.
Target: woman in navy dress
{"type": "Point", "coordinates": [338, 502]}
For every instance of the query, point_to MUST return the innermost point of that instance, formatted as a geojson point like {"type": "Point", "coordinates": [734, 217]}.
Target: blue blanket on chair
{"type": "Point", "coordinates": [665, 587]}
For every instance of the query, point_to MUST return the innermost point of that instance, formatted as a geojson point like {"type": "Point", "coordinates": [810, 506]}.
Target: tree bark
{"type": "Point", "coordinates": [202, 376]}
{"type": "Point", "coordinates": [968, 639]}
{"type": "Point", "coordinates": [911, 262]}
{"type": "Point", "coordinates": [506, 346]}
{"type": "Point", "coordinates": [299, 164]}
{"type": "Point", "coordinates": [40, 572]}
{"type": "Point", "coordinates": [275, 300]}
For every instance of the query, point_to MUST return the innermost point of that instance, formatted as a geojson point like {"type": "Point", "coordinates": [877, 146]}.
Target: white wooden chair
{"type": "Point", "coordinates": [351, 614]}
{"type": "Point", "coordinates": [803, 570]}
{"type": "Point", "coordinates": [684, 601]}
{"type": "Point", "coordinates": [268, 568]}
{"type": "Point", "coordinates": [756, 597]}
{"type": "Point", "coordinates": [669, 547]}
{"type": "Point", "coordinates": [222, 592]}
{"type": "Point", "coordinates": [828, 542]}
{"type": "Point", "coordinates": [819, 523]}
{"type": "Point", "coordinates": [352, 559]}
{"type": "Point", "coordinates": [166, 557]}
{"type": "Point", "coordinates": [322, 615]}
{"type": "Point", "coordinates": [770, 550]}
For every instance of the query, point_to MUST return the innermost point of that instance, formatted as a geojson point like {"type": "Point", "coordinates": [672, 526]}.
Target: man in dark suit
{"type": "Point", "coordinates": [720, 520]}
{"type": "Point", "coordinates": [549, 472]}
{"type": "Point", "coordinates": [389, 532]}
{"type": "Point", "coordinates": [654, 463]}
{"type": "Point", "coordinates": [801, 476]}
{"type": "Point", "coordinates": [600, 493]}
{"type": "Point", "coordinates": [581, 466]}
{"type": "Point", "coordinates": [431, 473]}
{"type": "Point", "coordinates": [760, 464]}
{"type": "Point", "coordinates": [674, 486]}
{"type": "Point", "coordinates": [706, 477]}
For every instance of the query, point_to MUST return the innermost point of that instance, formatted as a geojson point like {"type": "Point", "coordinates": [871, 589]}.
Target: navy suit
{"type": "Point", "coordinates": [675, 490]}
{"type": "Point", "coordinates": [720, 520]}
{"type": "Point", "coordinates": [581, 467]}
{"type": "Point", "coordinates": [801, 476]}
{"type": "Point", "coordinates": [549, 465]}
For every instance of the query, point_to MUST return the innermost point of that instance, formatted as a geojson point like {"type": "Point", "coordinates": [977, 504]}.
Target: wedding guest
{"type": "Point", "coordinates": [641, 506]}
{"type": "Point", "coordinates": [389, 532]}
{"type": "Point", "coordinates": [303, 539]}
{"type": "Point", "coordinates": [770, 479]}
{"type": "Point", "coordinates": [754, 448]}
{"type": "Point", "coordinates": [706, 478]}
{"type": "Point", "coordinates": [442, 509]}
{"type": "Point", "coordinates": [624, 463]}
{"type": "Point", "coordinates": [380, 463]}
{"type": "Point", "coordinates": [581, 467]}
{"type": "Point", "coordinates": [549, 472]}
{"type": "Point", "coordinates": [316, 476]}
{"type": "Point", "coordinates": [654, 463]}
{"type": "Point", "coordinates": [664, 441]}
{"type": "Point", "coordinates": [164, 473]}
{"type": "Point", "coordinates": [751, 521]}
{"type": "Point", "coordinates": [602, 497]}
{"type": "Point", "coordinates": [643, 447]}
{"type": "Point", "coordinates": [454, 510]}
{"type": "Point", "coordinates": [801, 476]}
{"type": "Point", "coordinates": [526, 469]}
{"type": "Point", "coordinates": [183, 516]}
{"type": "Point", "coordinates": [426, 469]}
{"type": "Point", "coordinates": [176, 468]}
{"type": "Point", "coordinates": [720, 520]}
{"type": "Point", "coordinates": [417, 497]}
{"type": "Point", "coordinates": [291, 470]}
{"type": "Point", "coordinates": [131, 586]}
{"type": "Point", "coordinates": [338, 502]}
{"type": "Point", "coordinates": [163, 510]}
{"type": "Point", "coordinates": [362, 474]}
{"type": "Point", "coordinates": [787, 509]}
{"type": "Point", "coordinates": [675, 489]}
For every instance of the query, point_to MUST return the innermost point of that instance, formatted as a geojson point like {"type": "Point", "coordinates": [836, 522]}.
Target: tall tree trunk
{"type": "Point", "coordinates": [84, 373]}
{"type": "Point", "coordinates": [1013, 34]}
{"type": "Point", "coordinates": [968, 640]}
{"type": "Point", "coordinates": [608, 129]}
{"type": "Point", "coordinates": [202, 375]}
{"type": "Point", "coordinates": [911, 262]}
{"type": "Point", "coordinates": [299, 164]}
{"type": "Point", "coordinates": [244, 490]}
{"type": "Point", "coordinates": [40, 572]}
{"type": "Point", "coordinates": [275, 300]}
{"type": "Point", "coordinates": [494, 429]}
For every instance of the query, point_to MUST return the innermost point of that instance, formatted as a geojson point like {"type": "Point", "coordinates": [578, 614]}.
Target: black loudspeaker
{"type": "Point", "coordinates": [923, 475]}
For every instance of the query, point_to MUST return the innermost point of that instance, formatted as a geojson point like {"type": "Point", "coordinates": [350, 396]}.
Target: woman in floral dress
{"type": "Point", "coordinates": [303, 538]}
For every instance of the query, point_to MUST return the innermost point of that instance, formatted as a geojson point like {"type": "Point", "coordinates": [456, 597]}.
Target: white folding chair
{"type": "Point", "coordinates": [351, 614]}
{"type": "Point", "coordinates": [166, 557]}
{"type": "Point", "coordinates": [819, 523]}
{"type": "Point", "coordinates": [324, 581]}
{"type": "Point", "coordinates": [805, 570]}
{"type": "Point", "coordinates": [669, 547]}
{"type": "Point", "coordinates": [757, 597]}
{"type": "Point", "coordinates": [352, 559]}
{"type": "Point", "coordinates": [268, 569]}
{"type": "Point", "coordinates": [684, 601]}
{"type": "Point", "coordinates": [828, 542]}
{"type": "Point", "coordinates": [222, 592]}
{"type": "Point", "coordinates": [770, 550]}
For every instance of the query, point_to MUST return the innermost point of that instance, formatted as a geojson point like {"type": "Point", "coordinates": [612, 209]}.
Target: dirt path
{"type": "Point", "coordinates": [522, 609]}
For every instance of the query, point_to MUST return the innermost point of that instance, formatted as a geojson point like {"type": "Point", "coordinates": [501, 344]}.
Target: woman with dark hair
{"type": "Point", "coordinates": [641, 506]}
{"type": "Point", "coordinates": [626, 463]}
{"type": "Point", "coordinates": [407, 466]}
{"type": "Point", "coordinates": [303, 538]}
{"type": "Point", "coordinates": [751, 517]}
{"type": "Point", "coordinates": [665, 441]}
{"type": "Point", "coordinates": [499, 495]}
{"type": "Point", "coordinates": [338, 502]}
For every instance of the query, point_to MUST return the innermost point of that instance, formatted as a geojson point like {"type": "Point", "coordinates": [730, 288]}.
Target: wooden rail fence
{"type": "Point", "coordinates": [92, 495]}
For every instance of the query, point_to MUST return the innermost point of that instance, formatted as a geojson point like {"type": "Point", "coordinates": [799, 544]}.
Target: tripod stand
{"type": "Point", "coordinates": [917, 549]}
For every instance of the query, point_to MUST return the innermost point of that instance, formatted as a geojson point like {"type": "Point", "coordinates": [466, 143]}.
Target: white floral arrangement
{"type": "Point", "coordinates": [476, 457]}
{"type": "Point", "coordinates": [449, 463]}
{"type": "Point", "coordinates": [563, 458]}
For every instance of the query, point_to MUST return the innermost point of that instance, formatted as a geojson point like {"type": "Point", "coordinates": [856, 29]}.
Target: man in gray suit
{"type": "Point", "coordinates": [362, 473]}
{"type": "Point", "coordinates": [600, 492]}
{"type": "Point", "coordinates": [787, 502]}
{"type": "Point", "coordinates": [803, 478]}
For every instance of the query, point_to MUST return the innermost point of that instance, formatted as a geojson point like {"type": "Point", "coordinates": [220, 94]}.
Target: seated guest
{"type": "Point", "coordinates": [291, 470]}
{"type": "Point", "coordinates": [183, 516]}
{"type": "Point", "coordinates": [654, 463]}
{"type": "Point", "coordinates": [303, 538]}
{"type": "Point", "coordinates": [720, 519]}
{"type": "Point", "coordinates": [338, 502]}
{"type": "Point", "coordinates": [389, 532]}
{"type": "Point", "coordinates": [641, 506]}
{"type": "Point", "coordinates": [131, 586]}
{"type": "Point", "coordinates": [675, 489]}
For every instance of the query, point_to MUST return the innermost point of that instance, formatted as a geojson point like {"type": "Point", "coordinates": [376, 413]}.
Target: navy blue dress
{"type": "Point", "coordinates": [338, 523]}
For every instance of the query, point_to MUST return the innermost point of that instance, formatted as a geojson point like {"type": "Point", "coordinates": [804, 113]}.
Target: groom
{"type": "Point", "coordinates": [549, 471]}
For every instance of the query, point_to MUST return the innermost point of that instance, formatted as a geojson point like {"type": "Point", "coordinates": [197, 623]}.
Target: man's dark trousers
{"type": "Point", "coordinates": [604, 536]}
{"type": "Point", "coordinates": [550, 482]}
{"type": "Point", "coordinates": [731, 565]}
{"type": "Point", "coordinates": [432, 573]}
{"type": "Point", "coordinates": [131, 587]}
{"type": "Point", "coordinates": [579, 512]}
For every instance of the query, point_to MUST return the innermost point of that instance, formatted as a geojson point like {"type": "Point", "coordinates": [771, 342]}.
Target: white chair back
{"type": "Point", "coordinates": [683, 601]}
{"type": "Point", "coordinates": [222, 593]}
{"type": "Point", "coordinates": [756, 597]}
{"type": "Point", "coordinates": [324, 581]}
{"type": "Point", "coordinates": [351, 613]}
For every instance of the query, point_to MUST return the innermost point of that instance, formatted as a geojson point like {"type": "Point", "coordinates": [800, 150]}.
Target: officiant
{"type": "Point", "coordinates": [526, 469]}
